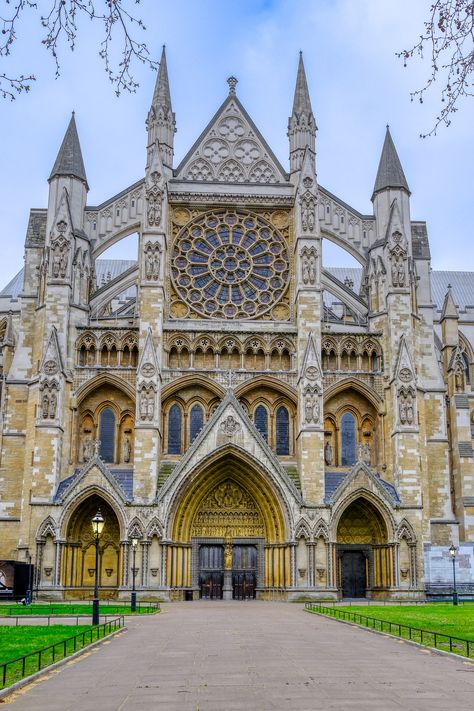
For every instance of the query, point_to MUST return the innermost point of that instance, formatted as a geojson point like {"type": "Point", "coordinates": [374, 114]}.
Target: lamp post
{"type": "Point", "coordinates": [452, 552]}
{"type": "Point", "coordinates": [97, 526]}
{"type": "Point", "coordinates": [133, 606]}
{"type": "Point", "coordinates": [28, 595]}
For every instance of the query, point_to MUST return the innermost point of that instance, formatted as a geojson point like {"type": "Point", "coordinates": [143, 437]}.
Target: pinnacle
{"type": "Point", "coordinates": [301, 101]}
{"type": "Point", "coordinates": [390, 172]}
{"type": "Point", "coordinates": [449, 307]}
{"type": "Point", "coordinates": [69, 159]}
{"type": "Point", "coordinates": [162, 96]}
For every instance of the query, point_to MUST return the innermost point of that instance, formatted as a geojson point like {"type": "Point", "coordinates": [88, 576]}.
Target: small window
{"type": "Point", "coordinates": [282, 431]}
{"type": "Point", "coordinates": [196, 422]}
{"type": "Point", "coordinates": [261, 421]}
{"type": "Point", "coordinates": [107, 435]}
{"type": "Point", "coordinates": [348, 439]}
{"type": "Point", "coordinates": [174, 430]}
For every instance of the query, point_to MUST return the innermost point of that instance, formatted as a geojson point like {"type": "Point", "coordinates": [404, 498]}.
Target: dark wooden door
{"type": "Point", "coordinates": [211, 572]}
{"type": "Point", "coordinates": [353, 570]}
{"type": "Point", "coordinates": [244, 572]}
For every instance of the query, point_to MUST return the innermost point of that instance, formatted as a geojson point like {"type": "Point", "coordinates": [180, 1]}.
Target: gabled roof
{"type": "Point", "coordinates": [69, 159]}
{"type": "Point", "coordinates": [390, 172]}
{"type": "Point", "coordinates": [231, 149]}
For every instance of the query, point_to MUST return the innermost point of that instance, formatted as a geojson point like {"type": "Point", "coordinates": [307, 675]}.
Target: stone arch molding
{"type": "Point", "coordinates": [405, 531]}
{"type": "Point", "coordinates": [48, 527]}
{"type": "Point", "coordinates": [229, 433]}
{"type": "Point", "coordinates": [311, 532]}
{"type": "Point", "coordinates": [73, 502]}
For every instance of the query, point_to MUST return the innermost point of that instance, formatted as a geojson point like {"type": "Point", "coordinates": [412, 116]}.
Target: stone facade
{"type": "Point", "coordinates": [263, 425]}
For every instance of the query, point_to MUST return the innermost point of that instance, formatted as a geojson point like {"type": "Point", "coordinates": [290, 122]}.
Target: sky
{"type": "Point", "coordinates": [356, 82]}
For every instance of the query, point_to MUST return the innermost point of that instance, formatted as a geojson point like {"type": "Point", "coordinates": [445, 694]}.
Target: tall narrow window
{"type": "Point", "coordinates": [196, 421]}
{"type": "Point", "coordinates": [107, 435]}
{"type": "Point", "coordinates": [348, 439]}
{"type": "Point", "coordinates": [174, 430]}
{"type": "Point", "coordinates": [282, 431]}
{"type": "Point", "coordinates": [261, 421]}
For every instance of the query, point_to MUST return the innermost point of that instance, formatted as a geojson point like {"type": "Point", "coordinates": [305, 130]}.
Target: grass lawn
{"type": "Point", "coordinates": [436, 621]}
{"type": "Point", "coordinates": [18, 641]}
{"type": "Point", "coordinates": [457, 621]}
{"type": "Point", "coordinates": [17, 609]}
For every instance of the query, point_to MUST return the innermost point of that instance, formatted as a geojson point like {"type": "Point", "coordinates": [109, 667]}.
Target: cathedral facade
{"type": "Point", "coordinates": [249, 422]}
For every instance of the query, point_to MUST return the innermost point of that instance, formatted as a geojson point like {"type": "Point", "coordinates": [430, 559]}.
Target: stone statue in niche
{"type": "Point", "coordinates": [53, 403]}
{"type": "Point", "coordinates": [406, 408]}
{"type": "Point", "coordinates": [143, 404]}
{"type": "Point", "coordinates": [311, 406]}
{"type": "Point", "coordinates": [459, 379]}
{"type": "Point", "coordinates": [398, 270]}
{"type": "Point", "coordinates": [126, 449]}
{"type": "Point", "coordinates": [60, 261]}
{"type": "Point", "coordinates": [152, 260]}
{"type": "Point", "coordinates": [87, 449]}
{"type": "Point", "coordinates": [308, 266]}
{"type": "Point", "coordinates": [45, 406]}
{"type": "Point", "coordinates": [307, 213]}
{"type": "Point", "coordinates": [151, 405]}
{"type": "Point", "coordinates": [328, 453]}
{"type": "Point", "coordinates": [366, 454]}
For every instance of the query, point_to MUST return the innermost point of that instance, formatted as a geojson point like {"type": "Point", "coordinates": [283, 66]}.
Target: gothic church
{"type": "Point", "coordinates": [260, 425]}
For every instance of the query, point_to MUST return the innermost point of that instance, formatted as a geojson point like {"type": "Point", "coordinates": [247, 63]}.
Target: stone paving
{"type": "Point", "coordinates": [252, 656]}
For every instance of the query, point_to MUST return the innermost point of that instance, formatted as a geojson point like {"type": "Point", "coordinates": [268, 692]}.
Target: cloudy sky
{"type": "Point", "coordinates": [357, 86]}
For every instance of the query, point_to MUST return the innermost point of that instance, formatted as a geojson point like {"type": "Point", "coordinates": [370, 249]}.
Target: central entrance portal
{"type": "Point", "coordinates": [211, 572]}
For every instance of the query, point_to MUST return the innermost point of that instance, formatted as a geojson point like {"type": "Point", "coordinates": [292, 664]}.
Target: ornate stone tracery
{"type": "Point", "coordinates": [230, 264]}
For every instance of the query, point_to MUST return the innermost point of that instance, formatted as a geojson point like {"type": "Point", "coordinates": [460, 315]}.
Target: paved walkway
{"type": "Point", "coordinates": [253, 656]}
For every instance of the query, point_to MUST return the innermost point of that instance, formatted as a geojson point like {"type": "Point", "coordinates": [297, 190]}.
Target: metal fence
{"type": "Point", "coordinates": [143, 608]}
{"type": "Point", "coordinates": [438, 640]}
{"type": "Point", "coordinates": [18, 668]}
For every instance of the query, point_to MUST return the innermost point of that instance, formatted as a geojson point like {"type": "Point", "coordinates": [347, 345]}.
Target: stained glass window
{"type": "Point", "coordinates": [282, 431]}
{"type": "Point", "coordinates": [261, 421]}
{"type": "Point", "coordinates": [196, 421]}
{"type": "Point", "coordinates": [107, 435]}
{"type": "Point", "coordinates": [174, 430]}
{"type": "Point", "coordinates": [348, 439]}
{"type": "Point", "coordinates": [230, 265]}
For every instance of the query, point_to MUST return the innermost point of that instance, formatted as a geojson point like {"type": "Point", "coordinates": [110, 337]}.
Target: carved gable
{"type": "Point", "coordinates": [231, 150]}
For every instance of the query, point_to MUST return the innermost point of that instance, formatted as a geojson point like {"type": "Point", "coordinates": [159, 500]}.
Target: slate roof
{"type": "Point", "coordinates": [332, 480]}
{"type": "Point", "coordinates": [123, 477]}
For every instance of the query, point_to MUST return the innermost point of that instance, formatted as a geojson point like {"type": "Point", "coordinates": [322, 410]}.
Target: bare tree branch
{"type": "Point", "coordinates": [59, 21]}
{"type": "Point", "coordinates": [449, 41]}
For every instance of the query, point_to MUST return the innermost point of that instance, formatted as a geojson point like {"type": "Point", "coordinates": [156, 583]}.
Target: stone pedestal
{"type": "Point", "coordinates": [227, 587]}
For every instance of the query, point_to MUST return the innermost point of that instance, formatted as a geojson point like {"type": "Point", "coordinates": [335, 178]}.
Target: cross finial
{"type": "Point", "coordinates": [229, 379]}
{"type": "Point", "coordinates": [232, 82]}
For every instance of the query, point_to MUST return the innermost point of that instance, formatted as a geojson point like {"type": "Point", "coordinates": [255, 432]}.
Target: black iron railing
{"type": "Point", "coordinates": [40, 609]}
{"type": "Point", "coordinates": [16, 669]}
{"type": "Point", "coordinates": [427, 638]}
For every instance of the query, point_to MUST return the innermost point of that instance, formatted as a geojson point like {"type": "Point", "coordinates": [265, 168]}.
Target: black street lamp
{"type": "Point", "coordinates": [452, 552]}
{"type": "Point", "coordinates": [133, 606]}
{"type": "Point", "coordinates": [97, 527]}
{"type": "Point", "coordinates": [29, 592]}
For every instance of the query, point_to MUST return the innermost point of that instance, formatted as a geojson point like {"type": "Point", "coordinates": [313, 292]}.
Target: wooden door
{"type": "Point", "coordinates": [211, 572]}
{"type": "Point", "coordinates": [244, 572]}
{"type": "Point", "coordinates": [353, 571]}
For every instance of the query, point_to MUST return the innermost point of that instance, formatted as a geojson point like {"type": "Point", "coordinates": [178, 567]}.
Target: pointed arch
{"type": "Point", "coordinates": [48, 527]}
{"type": "Point", "coordinates": [303, 530]}
{"type": "Point", "coordinates": [321, 530]}
{"type": "Point", "coordinates": [405, 530]}
{"type": "Point", "coordinates": [154, 528]}
{"type": "Point", "coordinates": [74, 500]}
{"type": "Point", "coordinates": [104, 379]}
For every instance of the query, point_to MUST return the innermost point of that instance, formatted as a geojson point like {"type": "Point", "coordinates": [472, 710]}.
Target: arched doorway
{"type": "Point", "coordinates": [228, 533]}
{"type": "Point", "coordinates": [78, 557]}
{"type": "Point", "coordinates": [364, 557]}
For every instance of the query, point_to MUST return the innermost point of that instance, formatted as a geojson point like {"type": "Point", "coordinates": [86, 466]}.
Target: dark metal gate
{"type": "Point", "coordinates": [353, 574]}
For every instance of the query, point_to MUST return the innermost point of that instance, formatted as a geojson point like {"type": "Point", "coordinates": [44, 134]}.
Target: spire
{"type": "Point", "coordinates": [161, 122]}
{"type": "Point", "coordinates": [301, 124]}
{"type": "Point", "coordinates": [449, 307]}
{"type": "Point", "coordinates": [162, 96]}
{"type": "Point", "coordinates": [69, 159]}
{"type": "Point", "coordinates": [301, 101]}
{"type": "Point", "coordinates": [390, 172]}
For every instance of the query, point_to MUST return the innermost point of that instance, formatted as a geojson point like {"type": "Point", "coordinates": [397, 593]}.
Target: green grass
{"type": "Point", "coordinates": [438, 621]}
{"type": "Point", "coordinates": [15, 610]}
{"type": "Point", "coordinates": [18, 641]}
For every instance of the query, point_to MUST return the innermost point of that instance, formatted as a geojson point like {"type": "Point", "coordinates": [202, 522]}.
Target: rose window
{"type": "Point", "coordinates": [230, 265]}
